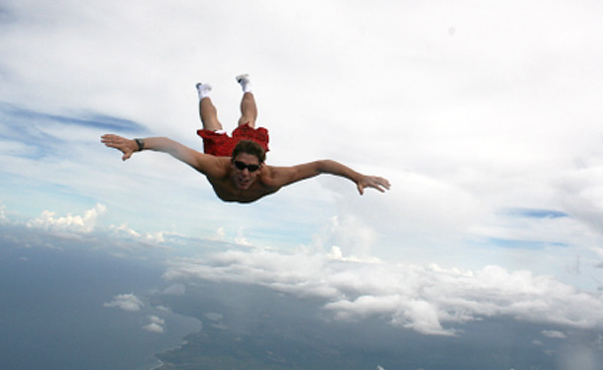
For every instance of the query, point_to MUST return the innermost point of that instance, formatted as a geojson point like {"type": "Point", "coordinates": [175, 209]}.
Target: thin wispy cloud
{"type": "Point", "coordinates": [17, 116]}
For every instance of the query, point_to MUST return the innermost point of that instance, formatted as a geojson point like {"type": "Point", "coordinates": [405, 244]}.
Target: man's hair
{"type": "Point", "coordinates": [249, 147]}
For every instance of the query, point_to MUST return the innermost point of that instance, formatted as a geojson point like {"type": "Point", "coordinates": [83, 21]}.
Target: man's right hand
{"type": "Point", "coordinates": [126, 146]}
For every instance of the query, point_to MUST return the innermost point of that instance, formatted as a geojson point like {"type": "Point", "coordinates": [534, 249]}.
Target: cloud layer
{"type": "Point", "coordinates": [427, 299]}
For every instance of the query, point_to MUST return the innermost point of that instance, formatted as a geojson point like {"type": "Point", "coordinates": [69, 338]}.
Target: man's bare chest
{"type": "Point", "coordinates": [227, 192]}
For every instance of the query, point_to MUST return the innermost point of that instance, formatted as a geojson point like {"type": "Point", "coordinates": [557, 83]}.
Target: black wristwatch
{"type": "Point", "coordinates": [140, 143]}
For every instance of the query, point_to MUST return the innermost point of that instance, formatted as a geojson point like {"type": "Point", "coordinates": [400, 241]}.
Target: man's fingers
{"type": "Point", "coordinates": [119, 143]}
{"type": "Point", "coordinates": [374, 182]}
{"type": "Point", "coordinates": [378, 187]}
{"type": "Point", "coordinates": [112, 140]}
{"type": "Point", "coordinates": [383, 182]}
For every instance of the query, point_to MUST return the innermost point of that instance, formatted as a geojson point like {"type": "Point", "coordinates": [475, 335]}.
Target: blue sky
{"type": "Point", "coordinates": [485, 117]}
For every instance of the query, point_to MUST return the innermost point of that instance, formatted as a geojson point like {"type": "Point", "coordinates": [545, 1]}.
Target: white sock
{"type": "Point", "coordinates": [245, 82]}
{"type": "Point", "coordinates": [203, 90]}
{"type": "Point", "coordinates": [246, 86]}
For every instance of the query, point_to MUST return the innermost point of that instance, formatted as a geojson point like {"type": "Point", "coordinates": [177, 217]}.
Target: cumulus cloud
{"type": "Point", "coordinates": [74, 223]}
{"type": "Point", "coordinates": [155, 325]}
{"type": "Point", "coordinates": [123, 231]}
{"type": "Point", "coordinates": [428, 299]}
{"type": "Point", "coordinates": [127, 302]}
{"type": "Point", "coordinates": [154, 328]}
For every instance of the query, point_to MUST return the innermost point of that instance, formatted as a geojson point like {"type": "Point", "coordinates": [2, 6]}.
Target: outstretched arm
{"type": "Point", "coordinates": [202, 162]}
{"type": "Point", "coordinates": [282, 176]}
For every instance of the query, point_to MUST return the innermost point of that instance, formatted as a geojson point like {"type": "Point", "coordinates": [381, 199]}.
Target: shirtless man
{"type": "Point", "coordinates": [234, 165]}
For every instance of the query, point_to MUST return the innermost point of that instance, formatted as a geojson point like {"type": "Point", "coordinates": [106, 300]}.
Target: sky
{"type": "Point", "coordinates": [485, 116]}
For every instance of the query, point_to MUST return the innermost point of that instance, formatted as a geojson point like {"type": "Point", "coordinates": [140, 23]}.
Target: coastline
{"type": "Point", "coordinates": [158, 366]}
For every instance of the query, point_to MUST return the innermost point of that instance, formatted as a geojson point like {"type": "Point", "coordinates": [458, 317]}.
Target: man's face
{"type": "Point", "coordinates": [245, 168]}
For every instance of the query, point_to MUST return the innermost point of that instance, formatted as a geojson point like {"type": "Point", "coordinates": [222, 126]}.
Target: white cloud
{"type": "Point", "coordinates": [154, 328]}
{"type": "Point", "coordinates": [155, 325]}
{"type": "Point", "coordinates": [156, 320]}
{"type": "Point", "coordinates": [123, 231]}
{"type": "Point", "coordinates": [427, 299]}
{"type": "Point", "coordinates": [127, 302]}
{"type": "Point", "coordinates": [77, 223]}
{"type": "Point", "coordinates": [89, 223]}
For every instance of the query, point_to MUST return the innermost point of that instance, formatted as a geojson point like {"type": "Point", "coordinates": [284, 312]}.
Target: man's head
{"type": "Point", "coordinates": [246, 164]}
{"type": "Point", "coordinates": [249, 147]}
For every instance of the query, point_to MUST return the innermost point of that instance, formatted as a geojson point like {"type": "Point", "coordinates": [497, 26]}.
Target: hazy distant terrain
{"type": "Point", "coordinates": [248, 327]}
{"type": "Point", "coordinates": [76, 306]}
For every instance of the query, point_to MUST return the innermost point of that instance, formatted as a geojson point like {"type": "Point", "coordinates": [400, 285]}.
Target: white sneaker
{"type": "Point", "coordinates": [201, 86]}
{"type": "Point", "coordinates": [242, 79]}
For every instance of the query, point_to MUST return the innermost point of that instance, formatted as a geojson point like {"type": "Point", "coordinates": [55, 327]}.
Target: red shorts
{"type": "Point", "coordinates": [222, 145]}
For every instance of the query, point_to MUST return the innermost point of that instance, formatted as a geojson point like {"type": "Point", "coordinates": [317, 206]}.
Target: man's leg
{"type": "Point", "coordinates": [207, 110]}
{"type": "Point", "coordinates": [249, 110]}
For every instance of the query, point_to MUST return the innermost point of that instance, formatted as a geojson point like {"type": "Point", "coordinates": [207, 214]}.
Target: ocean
{"type": "Point", "coordinates": [53, 313]}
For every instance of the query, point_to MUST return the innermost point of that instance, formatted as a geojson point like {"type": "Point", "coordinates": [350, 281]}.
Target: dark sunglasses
{"type": "Point", "coordinates": [251, 167]}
